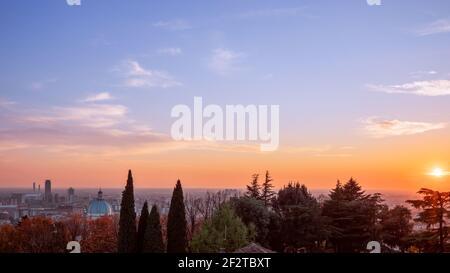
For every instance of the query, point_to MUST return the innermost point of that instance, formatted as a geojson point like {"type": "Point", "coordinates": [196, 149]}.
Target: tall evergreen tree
{"type": "Point", "coordinates": [267, 192]}
{"type": "Point", "coordinates": [127, 222]}
{"type": "Point", "coordinates": [353, 216]}
{"type": "Point", "coordinates": [302, 223]}
{"type": "Point", "coordinates": [176, 222]}
{"type": "Point", "coordinates": [253, 190]}
{"type": "Point", "coordinates": [153, 240]}
{"type": "Point", "coordinates": [353, 191]}
{"type": "Point", "coordinates": [142, 226]}
{"type": "Point", "coordinates": [337, 192]}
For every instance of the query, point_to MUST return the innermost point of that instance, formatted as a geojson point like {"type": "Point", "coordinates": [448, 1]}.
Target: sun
{"type": "Point", "coordinates": [438, 172]}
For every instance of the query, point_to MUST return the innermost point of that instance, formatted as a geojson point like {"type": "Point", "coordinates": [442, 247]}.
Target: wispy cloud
{"type": "Point", "coordinates": [224, 61]}
{"type": "Point", "coordinates": [335, 155]}
{"type": "Point", "coordinates": [39, 85]}
{"type": "Point", "coordinates": [423, 73]}
{"type": "Point", "coordinates": [88, 129]}
{"type": "Point", "coordinates": [439, 26]}
{"type": "Point", "coordinates": [88, 115]}
{"type": "Point", "coordinates": [6, 102]}
{"type": "Point", "coordinates": [422, 88]}
{"type": "Point", "coordinates": [171, 51]}
{"type": "Point", "coordinates": [137, 76]}
{"type": "Point", "coordinates": [100, 41]}
{"type": "Point", "coordinates": [73, 127]}
{"type": "Point", "coordinates": [379, 128]}
{"type": "Point", "coordinates": [321, 151]}
{"type": "Point", "coordinates": [308, 149]}
{"type": "Point", "coordinates": [11, 145]}
{"type": "Point", "coordinates": [271, 12]}
{"type": "Point", "coordinates": [178, 24]}
{"type": "Point", "coordinates": [98, 97]}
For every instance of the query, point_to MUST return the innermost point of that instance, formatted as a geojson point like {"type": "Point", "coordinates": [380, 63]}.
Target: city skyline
{"type": "Point", "coordinates": [87, 92]}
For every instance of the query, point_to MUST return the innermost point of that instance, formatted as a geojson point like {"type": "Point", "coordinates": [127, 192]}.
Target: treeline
{"type": "Point", "coordinates": [291, 220]}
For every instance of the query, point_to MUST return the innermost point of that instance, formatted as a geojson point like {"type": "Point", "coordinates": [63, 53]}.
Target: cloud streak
{"type": "Point", "coordinates": [436, 27]}
{"type": "Point", "coordinates": [271, 12]}
{"type": "Point", "coordinates": [171, 51]}
{"type": "Point", "coordinates": [80, 126]}
{"type": "Point", "coordinates": [89, 129]}
{"type": "Point", "coordinates": [173, 25]}
{"type": "Point", "coordinates": [225, 61]}
{"type": "Point", "coordinates": [39, 85]}
{"type": "Point", "coordinates": [6, 103]}
{"type": "Point", "coordinates": [137, 76]}
{"type": "Point", "coordinates": [380, 128]}
{"type": "Point", "coordinates": [104, 96]}
{"type": "Point", "coordinates": [421, 88]}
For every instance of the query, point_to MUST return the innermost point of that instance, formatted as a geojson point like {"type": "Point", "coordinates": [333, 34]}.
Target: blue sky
{"type": "Point", "coordinates": [330, 65]}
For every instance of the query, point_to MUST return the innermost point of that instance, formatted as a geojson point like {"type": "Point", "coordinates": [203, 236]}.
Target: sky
{"type": "Point", "coordinates": [86, 91]}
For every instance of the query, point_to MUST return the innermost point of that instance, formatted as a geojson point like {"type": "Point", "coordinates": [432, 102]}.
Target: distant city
{"type": "Point", "coordinates": [59, 204]}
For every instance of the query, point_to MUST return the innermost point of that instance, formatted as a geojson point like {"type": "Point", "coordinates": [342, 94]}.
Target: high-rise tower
{"type": "Point", "coordinates": [48, 191]}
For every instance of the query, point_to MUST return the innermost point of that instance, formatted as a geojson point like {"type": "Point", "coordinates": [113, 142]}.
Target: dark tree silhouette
{"type": "Point", "coordinates": [434, 208]}
{"type": "Point", "coordinates": [253, 190]}
{"type": "Point", "coordinates": [352, 213]}
{"type": "Point", "coordinates": [176, 222]}
{"type": "Point", "coordinates": [254, 214]}
{"type": "Point", "coordinates": [142, 226]}
{"type": "Point", "coordinates": [267, 192]}
{"type": "Point", "coordinates": [153, 240]}
{"type": "Point", "coordinates": [396, 226]}
{"type": "Point", "coordinates": [353, 191]}
{"type": "Point", "coordinates": [302, 223]}
{"type": "Point", "coordinates": [127, 222]}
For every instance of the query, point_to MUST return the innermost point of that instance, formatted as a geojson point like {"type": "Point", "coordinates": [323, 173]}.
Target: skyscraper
{"type": "Point", "coordinates": [71, 195]}
{"type": "Point", "coordinates": [48, 191]}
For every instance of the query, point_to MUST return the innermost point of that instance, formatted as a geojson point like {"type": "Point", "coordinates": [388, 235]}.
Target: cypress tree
{"type": "Point", "coordinates": [127, 223]}
{"type": "Point", "coordinates": [153, 241]}
{"type": "Point", "coordinates": [176, 222]}
{"type": "Point", "coordinates": [267, 192]}
{"type": "Point", "coordinates": [142, 226]}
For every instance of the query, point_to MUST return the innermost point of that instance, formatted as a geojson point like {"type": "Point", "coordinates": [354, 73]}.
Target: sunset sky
{"type": "Point", "coordinates": [86, 91]}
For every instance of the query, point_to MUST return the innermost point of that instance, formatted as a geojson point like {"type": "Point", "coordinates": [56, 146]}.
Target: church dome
{"type": "Point", "coordinates": [99, 207]}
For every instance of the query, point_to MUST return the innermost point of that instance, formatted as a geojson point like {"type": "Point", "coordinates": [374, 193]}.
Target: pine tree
{"type": "Point", "coordinates": [153, 241]}
{"type": "Point", "coordinates": [267, 192]}
{"type": "Point", "coordinates": [176, 222]}
{"type": "Point", "coordinates": [127, 222]}
{"type": "Point", "coordinates": [301, 220]}
{"type": "Point", "coordinates": [337, 192]}
{"type": "Point", "coordinates": [353, 215]}
{"type": "Point", "coordinates": [253, 190]}
{"type": "Point", "coordinates": [142, 226]}
{"type": "Point", "coordinates": [352, 191]}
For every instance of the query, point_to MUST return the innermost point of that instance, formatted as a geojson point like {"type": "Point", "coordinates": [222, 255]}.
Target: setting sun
{"type": "Point", "coordinates": [438, 172]}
